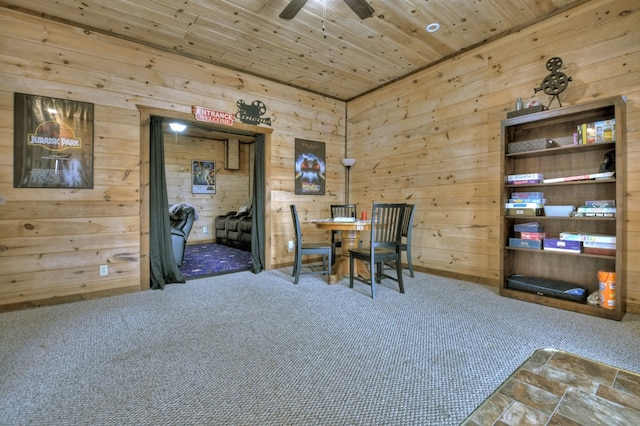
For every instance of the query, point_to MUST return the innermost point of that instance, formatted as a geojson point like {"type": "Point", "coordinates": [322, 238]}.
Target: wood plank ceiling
{"type": "Point", "coordinates": [356, 57]}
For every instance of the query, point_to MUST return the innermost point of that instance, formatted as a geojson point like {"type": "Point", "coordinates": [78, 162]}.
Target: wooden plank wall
{"type": "Point", "coordinates": [232, 186]}
{"type": "Point", "coordinates": [434, 138]}
{"type": "Point", "coordinates": [52, 241]}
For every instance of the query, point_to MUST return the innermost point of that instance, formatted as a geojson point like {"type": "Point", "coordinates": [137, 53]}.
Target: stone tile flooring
{"type": "Point", "coordinates": [558, 388]}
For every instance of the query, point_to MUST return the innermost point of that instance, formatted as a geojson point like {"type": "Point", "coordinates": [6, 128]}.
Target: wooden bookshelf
{"type": "Point", "coordinates": [562, 160]}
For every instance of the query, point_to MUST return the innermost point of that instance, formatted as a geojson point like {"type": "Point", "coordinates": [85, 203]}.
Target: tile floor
{"type": "Point", "coordinates": [558, 388]}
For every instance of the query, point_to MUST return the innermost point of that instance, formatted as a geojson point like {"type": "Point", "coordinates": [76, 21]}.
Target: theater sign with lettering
{"type": "Point", "coordinates": [213, 116]}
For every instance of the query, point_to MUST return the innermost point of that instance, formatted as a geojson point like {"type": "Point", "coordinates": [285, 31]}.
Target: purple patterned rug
{"type": "Point", "coordinates": [201, 260]}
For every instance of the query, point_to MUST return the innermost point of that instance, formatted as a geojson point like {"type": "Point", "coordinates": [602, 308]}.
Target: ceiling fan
{"type": "Point", "coordinates": [360, 7]}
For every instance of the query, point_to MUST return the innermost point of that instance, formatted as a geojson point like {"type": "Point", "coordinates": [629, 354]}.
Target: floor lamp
{"type": "Point", "coordinates": [348, 162]}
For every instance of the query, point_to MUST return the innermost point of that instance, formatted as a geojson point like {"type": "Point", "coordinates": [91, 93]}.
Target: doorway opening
{"type": "Point", "coordinates": [234, 187]}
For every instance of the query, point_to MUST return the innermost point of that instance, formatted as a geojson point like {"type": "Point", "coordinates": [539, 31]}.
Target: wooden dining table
{"type": "Point", "coordinates": [350, 238]}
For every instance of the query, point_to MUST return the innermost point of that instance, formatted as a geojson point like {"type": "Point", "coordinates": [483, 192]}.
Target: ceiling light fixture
{"type": "Point", "coordinates": [177, 127]}
{"type": "Point", "coordinates": [433, 27]}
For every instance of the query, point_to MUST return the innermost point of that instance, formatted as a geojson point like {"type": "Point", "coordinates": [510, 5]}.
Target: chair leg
{"type": "Point", "coordinates": [329, 274]}
{"type": "Point", "coordinates": [409, 264]}
{"type": "Point", "coordinates": [376, 271]}
{"type": "Point", "coordinates": [295, 261]}
{"type": "Point", "coordinates": [399, 272]}
{"type": "Point", "coordinates": [351, 268]}
{"type": "Point", "coordinates": [296, 269]}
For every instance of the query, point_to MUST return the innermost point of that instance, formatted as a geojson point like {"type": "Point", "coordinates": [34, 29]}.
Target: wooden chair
{"type": "Point", "coordinates": [386, 237]}
{"type": "Point", "coordinates": [304, 249]}
{"type": "Point", "coordinates": [405, 244]}
{"type": "Point", "coordinates": [340, 210]}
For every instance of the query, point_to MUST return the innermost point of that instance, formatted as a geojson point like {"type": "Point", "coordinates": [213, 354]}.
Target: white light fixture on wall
{"type": "Point", "coordinates": [348, 162]}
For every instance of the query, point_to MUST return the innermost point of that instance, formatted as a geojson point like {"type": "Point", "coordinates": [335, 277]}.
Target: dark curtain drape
{"type": "Point", "coordinates": [257, 217]}
{"type": "Point", "coordinates": [163, 265]}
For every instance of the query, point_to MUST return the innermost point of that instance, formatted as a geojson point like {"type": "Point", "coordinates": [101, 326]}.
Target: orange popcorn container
{"type": "Point", "coordinates": [607, 289]}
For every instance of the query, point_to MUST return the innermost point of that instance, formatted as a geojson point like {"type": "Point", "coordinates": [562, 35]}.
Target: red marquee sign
{"type": "Point", "coordinates": [212, 116]}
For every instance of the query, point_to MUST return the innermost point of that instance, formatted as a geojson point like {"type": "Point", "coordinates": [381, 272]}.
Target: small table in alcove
{"type": "Point", "coordinates": [350, 238]}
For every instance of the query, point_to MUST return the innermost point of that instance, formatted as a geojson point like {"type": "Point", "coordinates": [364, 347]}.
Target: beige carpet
{"type": "Point", "coordinates": [245, 349]}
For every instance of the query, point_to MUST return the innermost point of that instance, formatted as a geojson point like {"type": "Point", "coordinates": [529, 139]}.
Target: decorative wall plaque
{"type": "Point", "coordinates": [554, 83]}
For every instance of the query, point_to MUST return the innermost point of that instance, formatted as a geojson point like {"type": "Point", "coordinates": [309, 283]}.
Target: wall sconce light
{"type": "Point", "coordinates": [348, 162]}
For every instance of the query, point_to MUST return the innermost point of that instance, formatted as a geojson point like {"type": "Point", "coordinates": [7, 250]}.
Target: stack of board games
{"type": "Point", "coordinates": [602, 244]}
{"type": "Point", "coordinates": [597, 208]}
{"type": "Point", "coordinates": [525, 204]}
{"type": "Point", "coordinates": [531, 236]}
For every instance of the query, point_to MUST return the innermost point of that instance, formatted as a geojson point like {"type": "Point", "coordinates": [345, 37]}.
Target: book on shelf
{"type": "Point", "coordinates": [527, 195]}
{"type": "Point", "coordinates": [581, 214]}
{"type": "Point", "coordinates": [597, 132]}
{"type": "Point", "coordinates": [524, 182]}
{"type": "Point", "coordinates": [562, 250]}
{"type": "Point", "coordinates": [527, 244]}
{"type": "Point", "coordinates": [537, 236]}
{"type": "Point", "coordinates": [606, 249]}
{"type": "Point", "coordinates": [528, 227]}
{"type": "Point", "coordinates": [556, 244]}
{"type": "Point", "coordinates": [526, 176]}
{"type": "Point", "coordinates": [605, 175]}
{"type": "Point", "coordinates": [525, 212]}
{"type": "Point", "coordinates": [594, 244]}
{"type": "Point", "coordinates": [528, 200]}
{"type": "Point", "coordinates": [600, 203]}
{"type": "Point", "coordinates": [585, 209]}
{"type": "Point", "coordinates": [591, 237]}
{"type": "Point", "coordinates": [523, 205]}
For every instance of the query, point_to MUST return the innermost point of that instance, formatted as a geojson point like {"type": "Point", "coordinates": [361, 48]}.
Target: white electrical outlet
{"type": "Point", "coordinates": [205, 229]}
{"type": "Point", "coordinates": [290, 247]}
{"type": "Point", "coordinates": [104, 270]}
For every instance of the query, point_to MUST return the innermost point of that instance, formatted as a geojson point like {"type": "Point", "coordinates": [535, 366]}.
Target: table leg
{"type": "Point", "coordinates": [341, 267]}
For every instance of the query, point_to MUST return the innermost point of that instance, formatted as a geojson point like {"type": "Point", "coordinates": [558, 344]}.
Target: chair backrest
{"type": "Point", "coordinates": [182, 218]}
{"type": "Point", "coordinates": [407, 222]}
{"type": "Point", "coordinates": [344, 210]}
{"type": "Point", "coordinates": [296, 225]}
{"type": "Point", "coordinates": [386, 224]}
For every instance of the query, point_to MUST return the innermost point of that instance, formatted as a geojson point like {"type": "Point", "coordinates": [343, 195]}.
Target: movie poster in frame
{"type": "Point", "coordinates": [53, 143]}
{"type": "Point", "coordinates": [310, 167]}
{"type": "Point", "coordinates": [203, 177]}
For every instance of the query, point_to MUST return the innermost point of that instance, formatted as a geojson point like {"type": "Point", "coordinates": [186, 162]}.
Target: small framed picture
{"type": "Point", "coordinates": [203, 177]}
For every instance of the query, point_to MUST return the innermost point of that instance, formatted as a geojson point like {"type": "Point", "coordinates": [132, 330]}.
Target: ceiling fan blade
{"type": "Point", "coordinates": [292, 9]}
{"type": "Point", "coordinates": [361, 8]}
